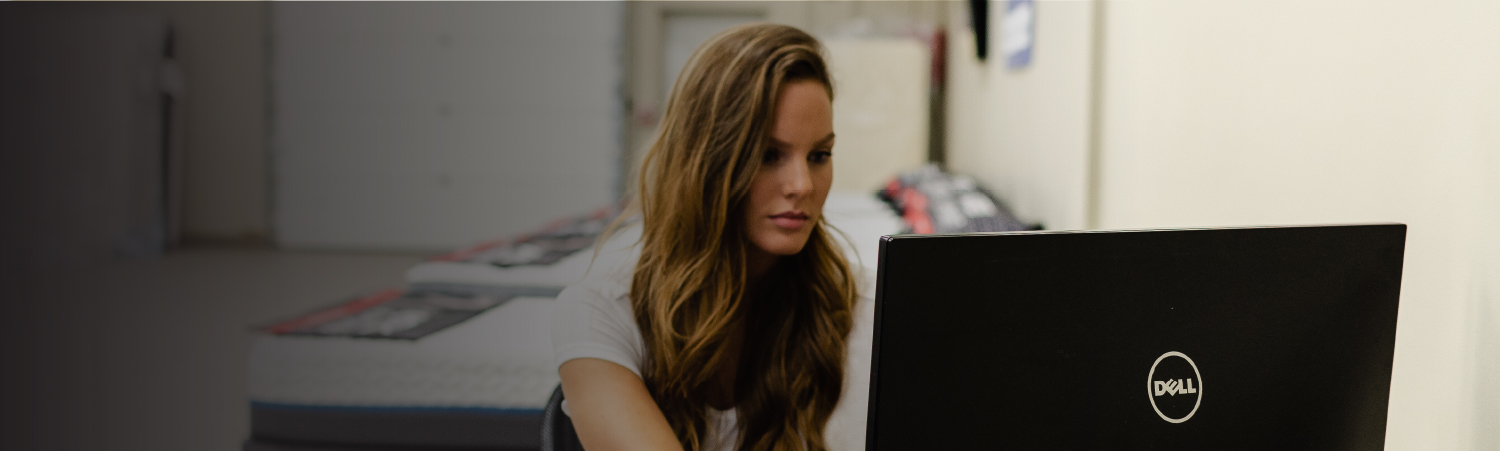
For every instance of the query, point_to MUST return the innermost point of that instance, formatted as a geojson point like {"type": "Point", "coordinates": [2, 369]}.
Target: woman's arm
{"type": "Point", "coordinates": [611, 409]}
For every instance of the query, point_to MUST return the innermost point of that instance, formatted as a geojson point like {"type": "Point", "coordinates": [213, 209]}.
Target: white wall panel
{"type": "Point", "coordinates": [431, 125]}
{"type": "Point", "coordinates": [880, 112]}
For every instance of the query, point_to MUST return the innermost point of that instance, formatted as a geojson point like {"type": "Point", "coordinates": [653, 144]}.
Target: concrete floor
{"type": "Point", "coordinates": [151, 354]}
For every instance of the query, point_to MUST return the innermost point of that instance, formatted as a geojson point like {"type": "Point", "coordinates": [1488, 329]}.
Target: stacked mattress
{"type": "Point", "coordinates": [462, 356]}
{"type": "Point", "coordinates": [479, 383]}
{"type": "Point", "coordinates": [861, 217]}
{"type": "Point", "coordinates": [554, 257]}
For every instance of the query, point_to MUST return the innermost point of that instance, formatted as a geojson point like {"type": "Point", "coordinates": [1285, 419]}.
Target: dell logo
{"type": "Point", "coordinates": [1174, 387]}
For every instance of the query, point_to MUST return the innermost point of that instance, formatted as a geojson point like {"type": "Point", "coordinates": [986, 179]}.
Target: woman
{"type": "Point", "coordinates": [730, 328]}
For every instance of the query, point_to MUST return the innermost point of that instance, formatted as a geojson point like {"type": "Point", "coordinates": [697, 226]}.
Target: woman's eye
{"type": "Point", "coordinates": [820, 156]}
{"type": "Point", "coordinates": [770, 156]}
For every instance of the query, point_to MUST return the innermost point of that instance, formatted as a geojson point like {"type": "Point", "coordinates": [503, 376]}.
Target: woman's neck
{"type": "Point", "coordinates": [758, 264]}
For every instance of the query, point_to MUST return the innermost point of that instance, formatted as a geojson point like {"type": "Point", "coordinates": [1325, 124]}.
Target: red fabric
{"type": "Point", "coordinates": [914, 210]}
{"type": "Point", "coordinates": [340, 311]}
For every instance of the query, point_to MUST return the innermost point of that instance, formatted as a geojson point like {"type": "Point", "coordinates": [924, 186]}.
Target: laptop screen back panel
{"type": "Point", "coordinates": [1047, 340]}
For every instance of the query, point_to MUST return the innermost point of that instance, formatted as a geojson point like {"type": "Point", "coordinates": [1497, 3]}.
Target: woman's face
{"type": "Point", "coordinates": [787, 194]}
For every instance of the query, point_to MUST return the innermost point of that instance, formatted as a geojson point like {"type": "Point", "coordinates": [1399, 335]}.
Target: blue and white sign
{"type": "Point", "coordinates": [1018, 33]}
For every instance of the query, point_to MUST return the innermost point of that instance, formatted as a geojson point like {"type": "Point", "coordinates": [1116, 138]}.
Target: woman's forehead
{"type": "Point", "coordinates": [804, 115]}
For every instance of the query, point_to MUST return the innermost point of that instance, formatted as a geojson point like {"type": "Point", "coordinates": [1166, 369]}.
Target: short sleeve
{"type": "Point", "coordinates": [586, 324]}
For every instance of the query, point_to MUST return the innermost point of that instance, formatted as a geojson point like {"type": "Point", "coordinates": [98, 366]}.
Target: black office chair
{"type": "Point", "coordinates": [557, 428]}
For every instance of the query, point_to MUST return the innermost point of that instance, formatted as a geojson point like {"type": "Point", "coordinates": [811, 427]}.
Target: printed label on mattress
{"type": "Point", "coordinates": [544, 247]}
{"type": "Point", "coordinates": [392, 314]}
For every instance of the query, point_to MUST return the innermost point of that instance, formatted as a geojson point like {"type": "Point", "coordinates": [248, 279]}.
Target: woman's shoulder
{"type": "Point", "coordinates": [613, 264]}
{"type": "Point", "coordinates": [604, 291]}
{"type": "Point", "coordinates": [593, 318]}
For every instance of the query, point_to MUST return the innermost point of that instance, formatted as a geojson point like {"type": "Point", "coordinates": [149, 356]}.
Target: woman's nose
{"type": "Point", "coordinates": [796, 179]}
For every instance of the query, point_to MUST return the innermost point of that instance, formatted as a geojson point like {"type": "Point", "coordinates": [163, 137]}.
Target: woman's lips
{"type": "Point", "coordinates": [789, 220]}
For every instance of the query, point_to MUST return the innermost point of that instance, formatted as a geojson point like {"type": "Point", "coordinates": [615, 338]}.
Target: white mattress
{"type": "Point", "coordinates": [860, 215]}
{"type": "Point", "coordinates": [500, 359]}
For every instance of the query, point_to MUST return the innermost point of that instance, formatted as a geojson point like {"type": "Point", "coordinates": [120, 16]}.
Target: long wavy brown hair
{"type": "Point", "coordinates": [690, 291]}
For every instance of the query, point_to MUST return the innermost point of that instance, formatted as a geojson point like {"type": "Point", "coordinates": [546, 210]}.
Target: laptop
{"type": "Point", "coordinates": [1238, 338]}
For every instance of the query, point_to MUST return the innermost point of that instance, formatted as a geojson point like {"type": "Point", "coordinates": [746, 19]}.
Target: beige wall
{"type": "Point", "coordinates": [1262, 112]}
{"type": "Point", "coordinates": [1025, 133]}
{"type": "Point", "coordinates": [1278, 112]}
{"type": "Point", "coordinates": [1486, 312]}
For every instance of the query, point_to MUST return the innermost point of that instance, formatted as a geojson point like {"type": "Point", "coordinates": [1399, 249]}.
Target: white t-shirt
{"type": "Point", "coordinates": [593, 319]}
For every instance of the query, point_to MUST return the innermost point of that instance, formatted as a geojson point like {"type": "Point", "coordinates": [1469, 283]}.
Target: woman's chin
{"type": "Point", "coordinates": [782, 246]}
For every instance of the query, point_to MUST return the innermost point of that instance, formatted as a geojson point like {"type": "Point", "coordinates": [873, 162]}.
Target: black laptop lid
{"type": "Point", "coordinates": [1253, 338]}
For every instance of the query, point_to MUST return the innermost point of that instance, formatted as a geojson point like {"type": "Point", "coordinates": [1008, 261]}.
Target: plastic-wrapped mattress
{"type": "Point", "coordinates": [480, 383]}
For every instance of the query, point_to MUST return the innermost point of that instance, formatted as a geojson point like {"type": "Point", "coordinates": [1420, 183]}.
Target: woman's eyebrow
{"type": "Point", "coordinates": [825, 140]}
{"type": "Point", "coordinates": [782, 145]}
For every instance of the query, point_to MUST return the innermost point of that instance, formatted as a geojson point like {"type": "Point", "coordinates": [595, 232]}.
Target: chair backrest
{"type": "Point", "coordinates": [557, 428]}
